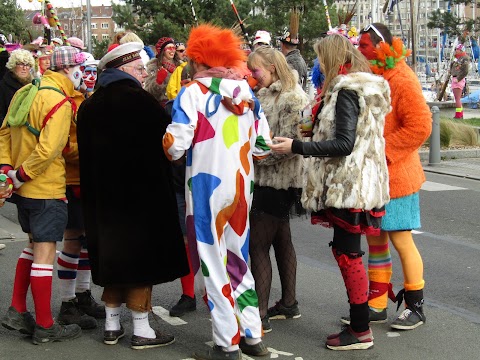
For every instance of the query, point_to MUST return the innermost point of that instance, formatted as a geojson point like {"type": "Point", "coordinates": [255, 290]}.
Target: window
{"type": "Point", "coordinates": [95, 36]}
{"type": "Point", "coordinates": [94, 25]}
{"type": "Point", "coordinates": [104, 25]}
{"type": "Point", "coordinates": [105, 36]}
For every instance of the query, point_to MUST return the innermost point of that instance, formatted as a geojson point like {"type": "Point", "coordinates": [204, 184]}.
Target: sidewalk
{"type": "Point", "coordinates": [462, 163]}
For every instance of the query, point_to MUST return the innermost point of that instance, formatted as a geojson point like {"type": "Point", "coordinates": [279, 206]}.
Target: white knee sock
{"type": "Point", "coordinates": [141, 326]}
{"type": "Point", "coordinates": [112, 318]}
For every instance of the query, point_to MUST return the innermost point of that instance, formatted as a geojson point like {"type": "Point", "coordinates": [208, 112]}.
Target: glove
{"type": "Point", "coordinates": [161, 75]}
{"type": "Point", "coordinates": [12, 174]}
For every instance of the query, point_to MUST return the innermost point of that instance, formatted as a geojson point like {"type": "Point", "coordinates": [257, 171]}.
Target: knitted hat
{"type": "Point", "coordinates": [263, 37]}
{"type": "Point", "coordinates": [162, 42]}
{"type": "Point", "coordinates": [460, 47]}
{"type": "Point", "coordinates": [66, 56]}
{"type": "Point", "coordinates": [121, 55]}
{"type": "Point", "coordinates": [76, 43]}
{"type": "Point", "coordinates": [215, 46]}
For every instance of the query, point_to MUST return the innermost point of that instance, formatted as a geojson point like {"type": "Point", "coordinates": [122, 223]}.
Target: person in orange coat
{"type": "Point", "coordinates": [407, 127]}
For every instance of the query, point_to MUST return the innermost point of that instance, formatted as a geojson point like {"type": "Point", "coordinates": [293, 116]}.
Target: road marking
{"type": "Point", "coordinates": [417, 232]}
{"type": "Point", "coordinates": [164, 315]}
{"type": "Point", "coordinates": [433, 186]}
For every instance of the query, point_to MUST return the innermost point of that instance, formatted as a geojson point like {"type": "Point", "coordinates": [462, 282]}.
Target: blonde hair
{"type": "Point", "coordinates": [334, 51]}
{"type": "Point", "coordinates": [130, 37]}
{"type": "Point", "coordinates": [265, 56]}
{"type": "Point", "coordinates": [20, 56]}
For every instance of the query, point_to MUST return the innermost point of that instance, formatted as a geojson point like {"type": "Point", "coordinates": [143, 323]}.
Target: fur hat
{"type": "Point", "coordinates": [121, 55]}
{"type": "Point", "coordinates": [76, 43]}
{"type": "Point", "coordinates": [263, 37]}
{"type": "Point", "coordinates": [215, 46]}
{"type": "Point", "coordinates": [66, 56]}
{"type": "Point", "coordinates": [162, 42]}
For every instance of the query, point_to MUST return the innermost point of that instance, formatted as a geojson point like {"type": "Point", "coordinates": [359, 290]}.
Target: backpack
{"type": "Point", "coordinates": [22, 101]}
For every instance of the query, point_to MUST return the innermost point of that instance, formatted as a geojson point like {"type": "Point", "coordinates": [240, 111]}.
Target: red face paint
{"type": "Point", "coordinates": [366, 47]}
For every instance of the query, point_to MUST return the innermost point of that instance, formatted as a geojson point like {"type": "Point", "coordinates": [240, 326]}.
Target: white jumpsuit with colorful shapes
{"type": "Point", "coordinates": [222, 127]}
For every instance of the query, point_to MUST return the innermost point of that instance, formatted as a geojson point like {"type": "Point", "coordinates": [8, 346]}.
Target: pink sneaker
{"type": "Point", "coordinates": [348, 339]}
{"type": "Point", "coordinates": [458, 115]}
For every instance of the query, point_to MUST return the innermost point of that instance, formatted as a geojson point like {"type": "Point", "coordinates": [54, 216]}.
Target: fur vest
{"type": "Point", "coordinates": [359, 180]}
{"type": "Point", "coordinates": [283, 112]}
{"type": "Point", "coordinates": [158, 91]}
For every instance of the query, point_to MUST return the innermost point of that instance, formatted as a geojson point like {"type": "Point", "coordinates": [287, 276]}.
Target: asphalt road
{"type": "Point", "coordinates": [449, 242]}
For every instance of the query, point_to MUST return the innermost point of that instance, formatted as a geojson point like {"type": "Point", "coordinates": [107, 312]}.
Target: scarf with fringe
{"type": "Point", "coordinates": [389, 55]}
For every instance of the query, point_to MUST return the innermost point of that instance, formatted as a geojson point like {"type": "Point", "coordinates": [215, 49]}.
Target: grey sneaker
{"type": "Point", "coordinates": [280, 311]}
{"type": "Point", "coordinates": [408, 320]}
{"type": "Point", "coordinates": [216, 353]}
{"type": "Point", "coordinates": [56, 332]}
{"type": "Point", "coordinates": [161, 339]}
{"type": "Point", "coordinates": [23, 322]}
{"type": "Point", "coordinates": [70, 313]}
{"type": "Point", "coordinates": [89, 306]}
{"type": "Point", "coordinates": [375, 317]}
{"type": "Point", "coordinates": [259, 349]}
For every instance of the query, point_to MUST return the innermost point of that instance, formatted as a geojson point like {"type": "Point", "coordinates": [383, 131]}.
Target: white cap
{"type": "Point", "coordinates": [58, 41]}
{"type": "Point", "coordinates": [262, 36]}
{"type": "Point", "coordinates": [90, 60]}
{"type": "Point", "coordinates": [120, 55]}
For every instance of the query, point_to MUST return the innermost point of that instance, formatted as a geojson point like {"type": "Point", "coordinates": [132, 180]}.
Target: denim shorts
{"type": "Point", "coordinates": [44, 219]}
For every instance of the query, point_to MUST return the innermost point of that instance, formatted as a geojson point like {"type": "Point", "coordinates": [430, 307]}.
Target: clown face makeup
{"type": "Point", "coordinates": [89, 76]}
{"type": "Point", "coordinates": [75, 76]}
{"type": "Point", "coordinates": [263, 76]}
{"type": "Point", "coordinates": [366, 47]}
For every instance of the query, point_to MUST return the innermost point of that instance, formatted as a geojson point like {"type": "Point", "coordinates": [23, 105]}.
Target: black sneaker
{"type": "Point", "coordinates": [259, 349]}
{"type": "Point", "coordinates": [185, 304]}
{"type": "Point", "coordinates": [111, 337]}
{"type": "Point", "coordinates": [280, 311]}
{"type": "Point", "coordinates": [408, 320]}
{"type": "Point", "coordinates": [70, 313]}
{"type": "Point", "coordinates": [216, 353]}
{"type": "Point", "coordinates": [348, 339]}
{"type": "Point", "coordinates": [23, 322]}
{"type": "Point", "coordinates": [89, 306]}
{"type": "Point", "coordinates": [56, 332]}
{"type": "Point", "coordinates": [161, 339]}
{"type": "Point", "coordinates": [267, 327]}
{"type": "Point", "coordinates": [375, 317]}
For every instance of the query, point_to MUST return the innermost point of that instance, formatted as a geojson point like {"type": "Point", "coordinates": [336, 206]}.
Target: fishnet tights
{"type": "Point", "coordinates": [267, 230]}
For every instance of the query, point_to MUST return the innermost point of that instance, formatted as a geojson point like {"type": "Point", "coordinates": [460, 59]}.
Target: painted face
{"type": "Point", "coordinates": [366, 47]}
{"type": "Point", "coordinates": [75, 76]}
{"type": "Point", "coordinates": [169, 51]}
{"type": "Point", "coordinates": [89, 76]}
{"type": "Point", "coordinates": [43, 64]}
{"type": "Point", "coordinates": [263, 76]}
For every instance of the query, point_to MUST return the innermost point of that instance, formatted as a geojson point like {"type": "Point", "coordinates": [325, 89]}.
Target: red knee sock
{"type": "Point", "coordinates": [188, 280]}
{"type": "Point", "coordinates": [22, 280]}
{"type": "Point", "coordinates": [41, 280]}
{"type": "Point", "coordinates": [354, 276]}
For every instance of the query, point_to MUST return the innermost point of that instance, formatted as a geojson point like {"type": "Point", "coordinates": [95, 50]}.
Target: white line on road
{"type": "Point", "coordinates": [433, 186]}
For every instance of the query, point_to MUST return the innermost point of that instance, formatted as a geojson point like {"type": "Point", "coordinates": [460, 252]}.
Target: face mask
{"type": "Point", "coordinates": [75, 76]}
{"type": "Point", "coordinates": [89, 76]}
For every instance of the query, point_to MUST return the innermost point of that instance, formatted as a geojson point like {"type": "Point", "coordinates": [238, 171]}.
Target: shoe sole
{"type": "Point", "coordinates": [22, 330]}
{"type": "Point", "coordinates": [140, 347]}
{"type": "Point", "coordinates": [87, 327]}
{"type": "Point", "coordinates": [113, 342]}
{"type": "Point", "coordinates": [174, 314]}
{"type": "Point", "coordinates": [347, 322]}
{"type": "Point", "coordinates": [284, 317]}
{"type": "Point", "coordinates": [406, 327]}
{"type": "Point", "coordinates": [358, 346]}
{"type": "Point", "coordinates": [266, 331]}
{"type": "Point", "coordinates": [37, 341]}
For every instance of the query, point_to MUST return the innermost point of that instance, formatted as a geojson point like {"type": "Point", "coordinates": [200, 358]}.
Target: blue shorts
{"type": "Point", "coordinates": [181, 207]}
{"type": "Point", "coordinates": [44, 219]}
{"type": "Point", "coordinates": [402, 214]}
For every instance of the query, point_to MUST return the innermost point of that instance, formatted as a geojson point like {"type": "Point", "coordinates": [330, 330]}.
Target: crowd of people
{"type": "Point", "coordinates": [236, 164]}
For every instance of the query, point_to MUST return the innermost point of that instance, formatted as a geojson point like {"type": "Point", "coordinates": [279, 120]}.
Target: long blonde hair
{"type": "Point", "coordinates": [334, 51]}
{"type": "Point", "coordinates": [265, 56]}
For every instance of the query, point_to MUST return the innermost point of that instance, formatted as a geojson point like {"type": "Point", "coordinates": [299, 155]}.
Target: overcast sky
{"type": "Point", "coordinates": [36, 5]}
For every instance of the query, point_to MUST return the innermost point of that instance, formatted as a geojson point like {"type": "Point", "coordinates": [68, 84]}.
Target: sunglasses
{"type": "Point", "coordinates": [181, 50]}
{"type": "Point", "coordinates": [372, 27]}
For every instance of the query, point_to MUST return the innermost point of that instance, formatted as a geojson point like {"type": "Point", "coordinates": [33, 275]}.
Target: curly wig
{"type": "Point", "coordinates": [20, 56]}
{"type": "Point", "coordinates": [214, 46]}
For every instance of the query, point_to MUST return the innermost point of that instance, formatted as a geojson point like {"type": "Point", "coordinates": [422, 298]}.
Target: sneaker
{"type": "Point", "coordinates": [23, 322]}
{"type": "Point", "coordinates": [259, 349]}
{"type": "Point", "coordinates": [408, 320]}
{"type": "Point", "coordinates": [161, 339]}
{"type": "Point", "coordinates": [348, 339]}
{"type": "Point", "coordinates": [267, 327]}
{"type": "Point", "coordinates": [185, 304]}
{"type": "Point", "coordinates": [216, 353]}
{"type": "Point", "coordinates": [70, 313]}
{"type": "Point", "coordinates": [89, 306]}
{"type": "Point", "coordinates": [280, 311]}
{"type": "Point", "coordinates": [111, 337]}
{"type": "Point", "coordinates": [375, 317]}
{"type": "Point", "coordinates": [56, 332]}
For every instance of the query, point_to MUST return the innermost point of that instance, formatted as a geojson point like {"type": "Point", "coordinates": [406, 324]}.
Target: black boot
{"type": "Point", "coordinates": [413, 315]}
{"type": "Point", "coordinates": [89, 306]}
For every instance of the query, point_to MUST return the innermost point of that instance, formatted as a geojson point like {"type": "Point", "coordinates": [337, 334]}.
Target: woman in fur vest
{"type": "Point", "coordinates": [347, 177]}
{"type": "Point", "coordinates": [277, 179]}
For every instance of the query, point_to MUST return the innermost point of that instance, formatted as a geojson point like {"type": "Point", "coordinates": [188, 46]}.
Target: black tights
{"type": "Point", "coordinates": [267, 230]}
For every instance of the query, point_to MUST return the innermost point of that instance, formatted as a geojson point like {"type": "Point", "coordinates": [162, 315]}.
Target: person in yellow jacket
{"type": "Point", "coordinates": [36, 167]}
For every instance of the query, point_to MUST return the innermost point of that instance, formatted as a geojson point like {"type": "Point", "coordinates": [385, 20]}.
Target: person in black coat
{"type": "Point", "coordinates": [124, 173]}
{"type": "Point", "coordinates": [18, 74]}
{"type": "Point", "coordinates": [4, 55]}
